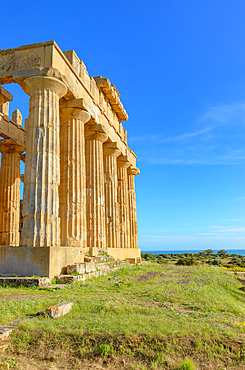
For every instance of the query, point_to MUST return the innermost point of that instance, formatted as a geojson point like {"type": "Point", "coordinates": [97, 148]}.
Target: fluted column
{"type": "Point", "coordinates": [10, 192]}
{"type": "Point", "coordinates": [72, 190]}
{"type": "Point", "coordinates": [42, 166]}
{"type": "Point", "coordinates": [132, 171]}
{"type": "Point", "coordinates": [111, 203]}
{"type": "Point", "coordinates": [122, 175]}
{"type": "Point", "coordinates": [95, 137]}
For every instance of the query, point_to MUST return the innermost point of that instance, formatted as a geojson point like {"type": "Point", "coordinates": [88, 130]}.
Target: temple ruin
{"type": "Point", "coordinates": [79, 192]}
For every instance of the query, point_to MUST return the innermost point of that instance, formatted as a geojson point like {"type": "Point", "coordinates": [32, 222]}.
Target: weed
{"type": "Point", "coordinates": [75, 273]}
{"type": "Point", "coordinates": [104, 349]}
{"type": "Point", "coordinates": [11, 362]}
{"type": "Point", "coordinates": [186, 364]}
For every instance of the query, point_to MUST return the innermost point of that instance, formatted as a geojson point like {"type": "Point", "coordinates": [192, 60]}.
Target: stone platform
{"type": "Point", "coordinates": [37, 261]}
{"type": "Point", "coordinates": [51, 261]}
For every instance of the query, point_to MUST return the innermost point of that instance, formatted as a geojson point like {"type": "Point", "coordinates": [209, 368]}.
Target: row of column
{"type": "Point", "coordinates": [81, 195]}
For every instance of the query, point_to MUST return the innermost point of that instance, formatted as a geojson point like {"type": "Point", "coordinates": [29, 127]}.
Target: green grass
{"type": "Point", "coordinates": [167, 302]}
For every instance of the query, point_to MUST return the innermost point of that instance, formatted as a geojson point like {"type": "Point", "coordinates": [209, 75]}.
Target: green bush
{"type": "Point", "coordinates": [186, 261]}
{"type": "Point", "coordinates": [147, 256]}
{"type": "Point", "coordinates": [216, 262]}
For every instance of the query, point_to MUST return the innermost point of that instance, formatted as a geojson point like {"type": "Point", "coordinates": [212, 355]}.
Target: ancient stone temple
{"type": "Point", "coordinates": [79, 192]}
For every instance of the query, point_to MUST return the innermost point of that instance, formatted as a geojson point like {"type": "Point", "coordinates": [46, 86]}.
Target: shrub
{"type": "Point", "coordinates": [147, 256]}
{"type": "Point", "coordinates": [186, 364]}
{"type": "Point", "coordinates": [222, 253]}
{"type": "Point", "coordinates": [186, 261]}
{"type": "Point", "coordinates": [216, 262]}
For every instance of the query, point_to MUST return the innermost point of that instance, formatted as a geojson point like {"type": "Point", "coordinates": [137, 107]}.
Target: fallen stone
{"type": "Point", "coordinates": [5, 331]}
{"type": "Point", "coordinates": [4, 366]}
{"type": "Point", "coordinates": [57, 310]}
{"type": "Point", "coordinates": [3, 347]}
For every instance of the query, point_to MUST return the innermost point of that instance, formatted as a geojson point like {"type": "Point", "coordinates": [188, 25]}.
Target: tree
{"type": "Point", "coordinates": [222, 253]}
{"type": "Point", "coordinates": [208, 251]}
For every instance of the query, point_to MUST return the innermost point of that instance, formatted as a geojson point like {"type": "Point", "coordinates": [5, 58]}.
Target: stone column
{"type": "Point", "coordinates": [42, 166]}
{"type": "Point", "coordinates": [132, 171]}
{"type": "Point", "coordinates": [111, 203]}
{"type": "Point", "coordinates": [122, 175]}
{"type": "Point", "coordinates": [72, 190]}
{"type": "Point", "coordinates": [10, 192]}
{"type": "Point", "coordinates": [95, 137]}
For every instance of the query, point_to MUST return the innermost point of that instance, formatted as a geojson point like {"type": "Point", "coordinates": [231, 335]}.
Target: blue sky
{"type": "Point", "coordinates": [179, 67]}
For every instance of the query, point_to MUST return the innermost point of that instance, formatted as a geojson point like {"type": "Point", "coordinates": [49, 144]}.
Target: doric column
{"type": "Point", "coordinates": [42, 166]}
{"type": "Point", "coordinates": [111, 203]}
{"type": "Point", "coordinates": [72, 190]}
{"type": "Point", "coordinates": [132, 171]}
{"type": "Point", "coordinates": [95, 137]}
{"type": "Point", "coordinates": [10, 192]}
{"type": "Point", "coordinates": [122, 176]}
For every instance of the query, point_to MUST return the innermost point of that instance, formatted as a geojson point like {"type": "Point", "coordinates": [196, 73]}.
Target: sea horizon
{"type": "Point", "coordinates": [241, 252]}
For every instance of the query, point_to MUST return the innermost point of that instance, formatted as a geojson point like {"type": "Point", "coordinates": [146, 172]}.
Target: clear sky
{"type": "Point", "coordinates": [179, 67]}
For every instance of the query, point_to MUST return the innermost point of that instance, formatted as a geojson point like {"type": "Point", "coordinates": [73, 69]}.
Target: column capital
{"type": "Point", "coordinates": [10, 146]}
{"type": "Point", "coordinates": [75, 113]}
{"type": "Point", "coordinates": [133, 171]}
{"type": "Point", "coordinates": [23, 157]}
{"type": "Point", "coordinates": [95, 132]}
{"type": "Point", "coordinates": [111, 149]}
{"type": "Point", "coordinates": [122, 161]}
{"type": "Point", "coordinates": [31, 84]}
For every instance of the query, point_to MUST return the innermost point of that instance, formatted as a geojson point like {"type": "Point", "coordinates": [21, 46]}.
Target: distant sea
{"type": "Point", "coordinates": [241, 252]}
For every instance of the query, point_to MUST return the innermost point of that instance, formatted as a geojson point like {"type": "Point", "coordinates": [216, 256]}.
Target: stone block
{"type": "Point", "coordinates": [4, 108]}
{"type": "Point", "coordinates": [38, 261]}
{"type": "Point", "coordinates": [65, 279]}
{"type": "Point", "coordinates": [4, 365]}
{"type": "Point", "coordinates": [59, 310]}
{"type": "Point", "coordinates": [79, 267]}
{"type": "Point", "coordinates": [17, 117]}
{"type": "Point", "coordinates": [87, 259]}
{"type": "Point", "coordinates": [4, 332]}
{"type": "Point", "coordinates": [94, 251]}
{"type": "Point", "coordinates": [5, 96]}
{"type": "Point", "coordinates": [25, 281]}
{"type": "Point", "coordinates": [90, 267]}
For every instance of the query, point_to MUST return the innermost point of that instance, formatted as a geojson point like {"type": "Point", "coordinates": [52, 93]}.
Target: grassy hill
{"type": "Point", "coordinates": [152, 316]}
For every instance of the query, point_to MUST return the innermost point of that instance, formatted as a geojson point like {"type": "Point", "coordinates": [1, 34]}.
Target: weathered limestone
{"type": "Point", "coordinates": [4, 109]}
{"type": "Point", "coordinates": [58, 310]}
{"type": "Point", "coordinates": [111, 153]}
{"type": "Point", "coordinates": [96, 234]}
{"type": "Point", "coordinates": [132, 171]}
{"type": "Point", "coordinates": [42, 173]}
{"type": "Point", "coordinates": [78, 193]}
{"type": "Point", "coordinates": [5, 96]}
{"type": "Point", "coordinates": [10, 192]}
{"type": "Point", "coordinates": [72, 190]}
{"type": "Point", "coordinates": [17, 117]}
{"type": "Point", "coordinates": [123, 164]}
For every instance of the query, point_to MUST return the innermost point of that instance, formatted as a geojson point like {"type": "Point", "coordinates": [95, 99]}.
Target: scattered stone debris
{"type": "Point", "coordinates": [5, 331]}
{"type": "Point", "coordinates": [57, 310]}
{"type": "Point", "coordinates": [25, 281]}
{"type": "Point", "coordinates": [4, 366]}
{"type": "Point", "coordinates": [3, 347]}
